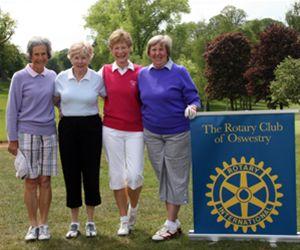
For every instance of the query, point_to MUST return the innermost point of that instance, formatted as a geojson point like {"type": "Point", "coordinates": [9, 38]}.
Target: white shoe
{"type": "Point", "coordinates": [32, 233]}
{"type": "Point", "coordinates": [90, 229]}
{"type": "Point", "coordinates": [44, 233]}
{"type": "Point", "coordinates": [179, 230]}
{"type": "Point", "coordinates": [132, 213]}
{"type": "Point", "coordinates": [124, 227]}
{"type": "Point", "coordinates": [165, 233]}
{"type": "Point", "coordinates": [73, 231]}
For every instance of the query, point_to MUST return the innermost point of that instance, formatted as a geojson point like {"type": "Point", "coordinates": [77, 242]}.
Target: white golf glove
{"type": "Point", "coordinates": [190, 112]}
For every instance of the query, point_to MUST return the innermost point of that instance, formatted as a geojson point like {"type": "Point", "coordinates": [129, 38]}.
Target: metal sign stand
{"type": "Point", "coordinates": [272, 239]}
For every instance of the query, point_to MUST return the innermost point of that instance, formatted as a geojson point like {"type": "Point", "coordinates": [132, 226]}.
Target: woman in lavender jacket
{"type": "Point", "coordinates": [31, 129]}
{"type": "Point", "coordinates": [169, 97]}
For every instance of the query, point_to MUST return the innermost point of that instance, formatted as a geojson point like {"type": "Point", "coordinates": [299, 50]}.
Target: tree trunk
{"type": "Point", "coordinates": [232, 104]}
{"type": "Point", "coordinates": [281, 105]}
{"type": "Point", "coordinates": [207, 106]}
{"type": "Point", "coordinates": [249, 103]}
{"type": "Point", "coordinates": [3, 75]}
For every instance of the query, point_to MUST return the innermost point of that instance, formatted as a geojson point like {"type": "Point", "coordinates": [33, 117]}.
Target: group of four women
{"type": "Point", "coordinates": [151, 104]}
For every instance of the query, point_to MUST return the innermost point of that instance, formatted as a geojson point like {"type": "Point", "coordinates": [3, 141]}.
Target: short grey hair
{"type": "Point", "coordinates": [36, 41]}
{"type": "Point", "coordinates": [160, 39]}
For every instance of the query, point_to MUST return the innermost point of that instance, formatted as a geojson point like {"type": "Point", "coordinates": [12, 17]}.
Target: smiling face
{"type": "Point", "coordinates": [121, 52]}
{"type": "Point", "coordinates": [39, 58]}
{"type": "Point", "coordinates": [80, 62]}
{"type": "Point", "coordinates": [158, 55]}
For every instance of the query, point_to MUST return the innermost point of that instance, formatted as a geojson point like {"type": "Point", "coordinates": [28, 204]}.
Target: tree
{"type": "Point", "coordinates": [292, 17]}
{"type": "Point", "coordinates": [193, 70]}
{"type": "Point", "coordinates": [53, 64]}
{"type": "Point", "coordinates": [189, 43]}
{"type": "Point", "coordinates": [230, 19]}
{"type": "Point", "coordinates": [285, 88]}
{"type": "Point", "coordinates": [59, 61]}
{"type": "Point", "coordinates": [7, 27]}
{"type": "Point", "coordinates": [11, 60]}
{"type": "Point", "coordinates": [253, 28]}
{"type": "Point", "coordinates": [183, 37]}
{"type": "Point", "coordinates": [227, 57]}
{"type": "Point", "coordinates": [142, 18]}
{"type": "Point", "coordinates": [62, 57]}
{"type": "Point", "coordinates": [276, 43]}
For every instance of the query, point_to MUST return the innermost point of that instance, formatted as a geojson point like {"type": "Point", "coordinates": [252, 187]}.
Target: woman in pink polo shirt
{"type": "Point", "coordinates": [123, 130]}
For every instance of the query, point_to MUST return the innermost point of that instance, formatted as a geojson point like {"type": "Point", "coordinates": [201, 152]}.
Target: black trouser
{"type": "Point", "coordinates": [80, 143]}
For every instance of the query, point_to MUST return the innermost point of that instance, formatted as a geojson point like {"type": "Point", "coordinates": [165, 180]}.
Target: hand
{"type": "Point", "coordinates": [13, 147]}
{"type": "Point", "coordinates": [60, 114]}
{"type": "Point", "coordinates": [56, 101]}
{"type": "Point", "coordinates": [190, 112]}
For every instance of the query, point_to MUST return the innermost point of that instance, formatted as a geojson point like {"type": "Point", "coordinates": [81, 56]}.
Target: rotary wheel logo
{"type": "Point", "coordinates": [244, 195]}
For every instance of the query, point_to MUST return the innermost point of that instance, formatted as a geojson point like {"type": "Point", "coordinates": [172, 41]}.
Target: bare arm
{"type": "Point", "coordinates": [56, 101]}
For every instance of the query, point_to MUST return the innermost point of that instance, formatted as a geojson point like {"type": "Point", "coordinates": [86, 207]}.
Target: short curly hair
{"type": "Point", "coordinates": [37, 41]}
{"type": "Point", "coordinates": [82, 48]}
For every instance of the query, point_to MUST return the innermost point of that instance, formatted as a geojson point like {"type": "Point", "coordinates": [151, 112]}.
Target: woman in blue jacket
{"type": "Point", "coordinates": [169, 97]}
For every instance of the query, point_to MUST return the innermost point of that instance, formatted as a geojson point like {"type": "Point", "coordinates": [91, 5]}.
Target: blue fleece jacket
{"type": "Point", "coordinates": [165, 93]}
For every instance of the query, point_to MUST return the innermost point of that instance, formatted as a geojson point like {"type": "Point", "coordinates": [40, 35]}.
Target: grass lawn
{"type": "Point", "coordinates": [14, 222]}
{"type": "Point", "coordinates": [3, 99]}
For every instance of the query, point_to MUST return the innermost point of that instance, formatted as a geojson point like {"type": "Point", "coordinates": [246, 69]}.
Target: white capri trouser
{"type": "Point", "coordinates": [124, 152]}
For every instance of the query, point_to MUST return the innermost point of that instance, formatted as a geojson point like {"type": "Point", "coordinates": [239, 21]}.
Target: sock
{"type": "Point", "coordinates": [171, 225]}
{"type": "Point", "coordinates": [124, 219]}
{"type": "Point", "coordinates": [178, 223]}
{"type": "Point", "coordinates": [134, 209]}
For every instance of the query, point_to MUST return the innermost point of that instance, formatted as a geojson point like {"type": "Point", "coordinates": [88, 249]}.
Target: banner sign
{"type": "Point", "coordinates": [244, 174]}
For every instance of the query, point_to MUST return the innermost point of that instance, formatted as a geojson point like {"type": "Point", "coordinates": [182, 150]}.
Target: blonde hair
{"type": "Point", "coordinates": [119, 35]}
{"type": "Point", "coordinates": [160, 39]}
{"type": "Point", "coordinates": [81, 48]}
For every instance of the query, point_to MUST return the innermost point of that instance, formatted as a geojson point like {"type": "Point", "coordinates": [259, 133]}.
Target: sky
{"type": "Point", "coordinates": [62, 21]}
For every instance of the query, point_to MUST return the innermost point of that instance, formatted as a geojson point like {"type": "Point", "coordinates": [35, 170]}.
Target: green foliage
{"type": "Point", "coordinates": [101, 56]}
{"type": "Point", "coordinates": [197, 77]}
{"type": "Point", "coordinates": [191, 39]}
{"type": "Point", "coordinates": [292, 17]}
{"type": "Point", "coordinates": [276, 43]}
{"type": "Point", "coordinates": [7, 27]}
{"type": "Point", "coordinates": [230, 19]}
{"type": "Point", "coordinates": [4, 86]}
{"type": "Point", "coordinates": [11, 60]}
{"type": "Point", "coordinates": [141, 18]}
{"type": "Point", "coordinates": [286, 86]}
{"type": "Point", "coordinates": [53, 64]}
{"type": "Point", "coordinates": [59, 61]}
{"type": "Point", "coordinates": [183, 38]}
{"type": "Point", "coordinates": [253, 28]}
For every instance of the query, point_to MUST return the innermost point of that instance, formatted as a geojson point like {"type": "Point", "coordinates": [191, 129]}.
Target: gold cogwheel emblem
{"type": "Point", "coordinates": [244, 194]}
